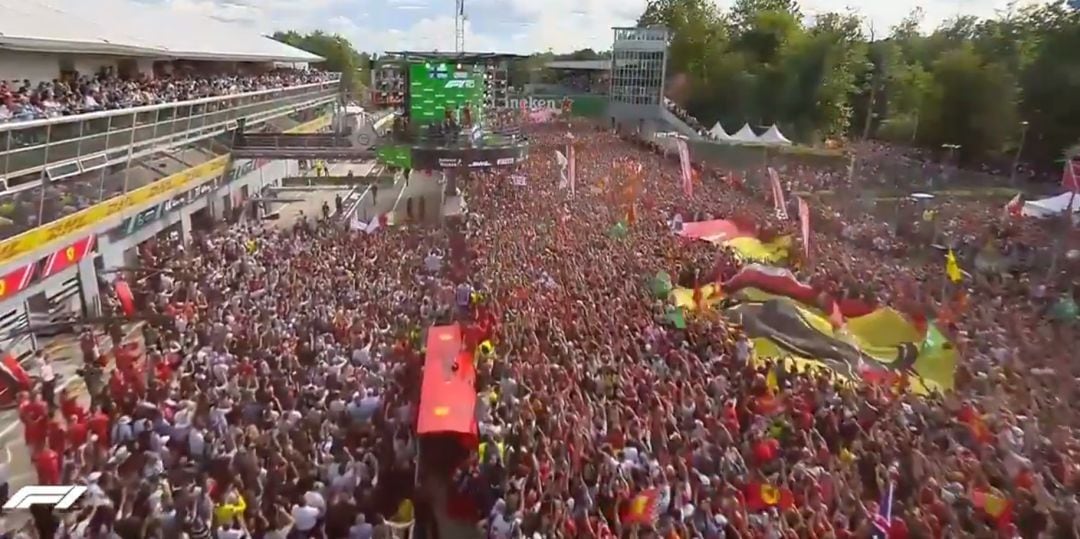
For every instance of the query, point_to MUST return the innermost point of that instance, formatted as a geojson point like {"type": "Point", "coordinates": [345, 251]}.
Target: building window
{"type": "Point", "coordinates": [637, 77]}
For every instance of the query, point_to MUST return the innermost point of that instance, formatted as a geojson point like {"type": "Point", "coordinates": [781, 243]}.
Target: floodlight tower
{"type": "Point", "coordinates": [459, 26]}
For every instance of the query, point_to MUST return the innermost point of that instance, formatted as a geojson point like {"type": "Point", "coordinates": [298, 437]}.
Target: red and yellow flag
{"type": "Point", "coordinates": [643, 508]}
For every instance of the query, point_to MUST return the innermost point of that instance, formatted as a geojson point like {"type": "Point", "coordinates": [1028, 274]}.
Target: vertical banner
{"type": "Point", "coordinates": [16, 281]}
{"type": "Point", "coordinates": [68, 256]}
{"type": "Point", "coordinates": [684, 162]}
{"type": "Point", "coordinates": [573, 168]}
{"type": "Point", "coordinates": [563, 162]}
{"type": "Point", "coordinates": [778, 194]}
{"type": "Point", "coordinates": [804, 221]}
{"type": "Point", "coordinates": [1070, 177]}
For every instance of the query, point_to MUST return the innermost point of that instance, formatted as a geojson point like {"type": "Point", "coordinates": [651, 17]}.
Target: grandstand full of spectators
{"type": "Point", "coordinates": [26, 100]}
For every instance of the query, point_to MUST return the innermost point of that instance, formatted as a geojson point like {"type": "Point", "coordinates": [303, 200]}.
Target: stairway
{"type": "Point", "coordinates": [678, 125]}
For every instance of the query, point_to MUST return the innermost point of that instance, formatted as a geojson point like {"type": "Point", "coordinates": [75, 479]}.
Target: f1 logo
{"type": "Point", "coordinates": [59, 496]}
{"type": "Point", "coordinates": [463, 83]}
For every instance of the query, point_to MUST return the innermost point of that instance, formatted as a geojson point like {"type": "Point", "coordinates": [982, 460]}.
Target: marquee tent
{"type": "Point", "coordinates": [774, 136]}
{"type": "Point", "coordinates": [1050, 207]}
{"type": "Point", "coordinates": [745, 135]}
{"type": "Point", "coordinates": [718, 132]}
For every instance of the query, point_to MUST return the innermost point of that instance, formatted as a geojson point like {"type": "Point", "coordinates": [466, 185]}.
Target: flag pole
{"type": "Point", "coordinates": [1070, 223]}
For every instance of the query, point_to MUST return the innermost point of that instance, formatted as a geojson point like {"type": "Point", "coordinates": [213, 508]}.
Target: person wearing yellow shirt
{"type": "Point", "coordinates": [233, 507]}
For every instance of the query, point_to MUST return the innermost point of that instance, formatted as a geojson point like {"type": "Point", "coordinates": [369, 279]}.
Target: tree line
{"type": "Point", "coordinates": [338, 52]}
{"type": "Point", "coordinates": [985, 85]}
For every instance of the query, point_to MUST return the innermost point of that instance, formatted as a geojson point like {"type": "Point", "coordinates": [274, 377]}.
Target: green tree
{"type": "Point", "coordinates": [339, 55]}
{"type": "Point", "coordinates": [972, 103]}
{"type": "Point", "coordinates": [1050, 84]}
{"type": "Point", "coordinates": [970, 82]}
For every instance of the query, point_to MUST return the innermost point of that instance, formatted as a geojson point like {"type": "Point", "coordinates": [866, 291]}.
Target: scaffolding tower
{"type": "Point", "coordinates": [459, 26]}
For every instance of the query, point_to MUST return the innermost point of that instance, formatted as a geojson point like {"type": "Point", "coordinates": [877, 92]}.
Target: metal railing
{"type": "Point", "coordinates": [93, 179]}
{"type": "Point", "coordinates": [58, 148]}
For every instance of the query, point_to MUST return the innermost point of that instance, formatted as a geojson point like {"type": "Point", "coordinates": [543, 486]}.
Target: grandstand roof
{"type": "Point", "coordinates": [129, 28]}
{"type": "Point", "coordinates": [583, 65]}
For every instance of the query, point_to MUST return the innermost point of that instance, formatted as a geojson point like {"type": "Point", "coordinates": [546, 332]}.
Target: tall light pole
{"type": "Point", "coordinates": [1019, 149]}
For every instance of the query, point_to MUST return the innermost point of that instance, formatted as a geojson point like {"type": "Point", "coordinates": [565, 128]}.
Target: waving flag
{"type": "Point", "coordinates": [883, 519]}
{"type": "Point", "coordinates": [995, 506]}
{"type": "Point", "coordinates": [562, 161]}
{"type": "Point", "coordinates": [127, 299]}
{"type": "Point", "coordinates": [778, 194]}
{"type": "Point", "coordinates": [1070, 177]}
{"type": "Point", "coordinates": [952, 267]}
{"type": "Point", "coordinates": [684, 162]}
{"type": "Point", "coordinates": [573, 168]}
{"type": "Point", "coordinates": [804, 222]}
{"type": "Point", "coordinates": [761, 496]}
{"type": "Point", "coordinates": [643, 508]}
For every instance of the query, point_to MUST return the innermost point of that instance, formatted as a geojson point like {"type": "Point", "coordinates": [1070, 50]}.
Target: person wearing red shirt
{"type": "Point", "coordinates": [57, 434]}
{"type": "Point", "coordinates": [47, 464]}
{"type": "Point", "coordinates": [78, 431]}
{"type": "Point", "coordinates": [98, 424]}
{"type": "Point", "coordinates": [163, 372]}
{"type": "Point", "coordinates": [766, 450]}
{"type": "Point", "coordinates": [70, 406]}
{"type": "Point", "coordinates": [33, 413]}
{"type": "Point", "coordinates": [118, 388]}
{"type": "Point", "coordinates": [898, 528]}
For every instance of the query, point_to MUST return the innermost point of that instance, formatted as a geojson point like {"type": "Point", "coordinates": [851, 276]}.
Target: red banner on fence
{"type": "Point", "coordinates": [67, 257]}
{"type": "Point", "coordinates": [16, 281]}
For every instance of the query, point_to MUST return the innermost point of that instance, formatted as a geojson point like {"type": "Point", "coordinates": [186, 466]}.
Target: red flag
{"type": "Point", "coordinates": [67, 257]}
{"type": "Point", "coordinates": [15, 281]}
{"type": "Point", "coordinates": [778, 194]}
{"type": "Point", "coordinates": [11, 364]}
{"type": "Point", "coordinates": [996, 507]}
{"type": "Point", "coordinates": [1070, 177]}
{"type": "Point", "coordinates": [643, 508]}
{"type": "Point", "coordinates": [761, 496]}
{"type": "Point", "coordinates": [804, 220]}
{"type": "Point", "coordinates": [127, 300]}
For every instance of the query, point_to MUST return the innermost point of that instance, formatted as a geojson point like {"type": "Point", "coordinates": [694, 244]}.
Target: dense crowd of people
{"type": "Point", "coordinates": [27, 100]}
{"type": "Point", "coordinates": [274, 390]}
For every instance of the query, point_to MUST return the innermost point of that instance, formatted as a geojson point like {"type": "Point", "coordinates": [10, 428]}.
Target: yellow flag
{"type": "Point", "coordinates": [771, 380]}
{"type": "Point", "coordinates": [952, 268]}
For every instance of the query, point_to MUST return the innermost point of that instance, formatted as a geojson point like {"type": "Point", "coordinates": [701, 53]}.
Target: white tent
{"type": "Point", "coordinates": [718, 132]}
{"type": "Point", "coordinates": [745, 135]}
{"type": "Point", "coordinates": [1050, 207]}
{"type": "Point", "coordinates": [774, 136]}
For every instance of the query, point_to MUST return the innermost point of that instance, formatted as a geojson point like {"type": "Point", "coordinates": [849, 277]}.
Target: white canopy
{"type": "Point", "coordinates": [1049, 207]}
{"type": "Point", "coordinates": [718, 132]}
{"type": "Point", "coordinates": [745, 135]}
{"type": "Point", "coordinates": [774, 136]}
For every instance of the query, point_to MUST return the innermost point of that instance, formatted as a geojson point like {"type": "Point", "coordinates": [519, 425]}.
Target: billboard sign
{"type": "Point", "coordinates": [435, 87]}
{"type": "Point", "coordinates": [588, 105]}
